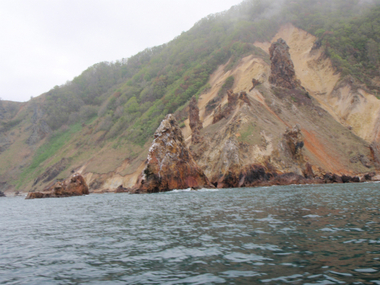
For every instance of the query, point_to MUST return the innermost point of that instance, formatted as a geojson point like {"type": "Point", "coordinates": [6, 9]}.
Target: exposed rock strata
{"type": "Point", "coordinates": [73, 186]}
{"type": "Point", "coordinates": [282, 67]}
{"type": "Point", "coordinates": [195, 122]}
{"type": "Point", "coordinates": [169, 164]}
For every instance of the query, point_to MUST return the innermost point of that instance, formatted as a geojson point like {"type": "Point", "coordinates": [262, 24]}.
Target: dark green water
{"type": "Point", "coordinates": [327, 234]}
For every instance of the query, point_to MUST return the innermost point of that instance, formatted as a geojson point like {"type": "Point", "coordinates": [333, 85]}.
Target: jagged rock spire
{"type": "Point", "coordinates": [169, 164]}
{"type": "Point", "coordinates": [282, 67]}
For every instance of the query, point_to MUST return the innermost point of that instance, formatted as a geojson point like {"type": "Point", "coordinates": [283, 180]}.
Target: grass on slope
{"type": "Point", "coordinates": [47, 150]}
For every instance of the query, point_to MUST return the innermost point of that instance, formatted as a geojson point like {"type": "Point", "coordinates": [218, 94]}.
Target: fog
{"type": "Point", "coordinates": [46, 43]}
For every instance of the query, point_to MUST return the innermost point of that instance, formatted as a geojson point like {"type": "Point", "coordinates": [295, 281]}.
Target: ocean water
{"type": "Point", "coordinates": [313, 234]}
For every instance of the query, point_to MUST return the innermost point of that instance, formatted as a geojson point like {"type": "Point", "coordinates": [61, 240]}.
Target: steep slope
{"type": "Point", "coordinates": [101, 123]}
{"type": "Point", "coordinates": [255, 133]}
{"type": "Point", "coordinates": [343, 97]}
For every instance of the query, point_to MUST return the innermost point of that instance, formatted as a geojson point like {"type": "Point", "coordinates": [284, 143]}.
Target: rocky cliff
{"type": "Point", "coordinates": [169, 164]}
{"type": "Point", "coordinates": [241, 137]}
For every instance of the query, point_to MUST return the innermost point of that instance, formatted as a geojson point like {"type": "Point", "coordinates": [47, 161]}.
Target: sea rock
{"type": "Point", "coordinates": [332, 178]}
{"type": "Point", "coordinates": [350, 179]}
{"type": "Point", "coordinates": [282, 67]}
{"type": "Point", "coordinates": [195, 122]}
{"type": "Point", "coordinates": [169, 164]}
{"type": "Point", "coordinates": [2, 194]}
{"type": "Point", "coordinates": [369, 176]}
{"type": "Point", "coordinates": [73, 186]}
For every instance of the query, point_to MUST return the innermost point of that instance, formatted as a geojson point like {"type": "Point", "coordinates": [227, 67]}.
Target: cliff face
{"type": "Point", "coordinates": [169, 164]}
{"type": "Point", "coordinates": [282, 67]}
{"type": "Point", "coordinates": [240, 140]}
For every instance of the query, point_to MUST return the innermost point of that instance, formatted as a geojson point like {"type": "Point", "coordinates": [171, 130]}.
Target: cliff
{"type": "Point", "coordinates": [288, 116]}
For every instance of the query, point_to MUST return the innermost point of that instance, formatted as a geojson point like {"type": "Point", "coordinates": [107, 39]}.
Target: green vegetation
{"type": "Point", "coordinates": [49, 149]}
{"type": "Point", "coordinates": [132, 95]}
{"type": "Point", "coordinates": [246, 133]}
{"type": "Point", "coordinates": [128, 98]}
{"type": "Point", "coordinates": [347, 32]}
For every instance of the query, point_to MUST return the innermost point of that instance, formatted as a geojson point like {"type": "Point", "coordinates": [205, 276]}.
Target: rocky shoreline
{"type": "Point", "coordinates": [284, 150]}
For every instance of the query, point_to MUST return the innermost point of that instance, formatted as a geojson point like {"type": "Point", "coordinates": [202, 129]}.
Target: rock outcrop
{"type": "Point", "coordinates": [2, 194]}
{"type": "Point", "coordinates": [233, 100]}
{"type": "Point", "coordinates": [254, 84]}
{"type": "Point", "coordinates": [40, 128]}
{"type": "Point", "coordinates": [169, 164]}
{"type": "Point", "coordinates": [195, 122]}
{"type": "Point", "coordinates": [73, 186]}
{"type": "Point", "coordinates": [282, 67]}
{"type": "Point", "coordinates": [294, 140]}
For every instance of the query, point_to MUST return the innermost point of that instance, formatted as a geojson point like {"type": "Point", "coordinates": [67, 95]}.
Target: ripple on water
{"type": "Point", "coordinates": [314, 234]}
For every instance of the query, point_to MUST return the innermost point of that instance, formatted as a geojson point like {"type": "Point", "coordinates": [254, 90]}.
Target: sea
{"type": "Point", "coordinates": [309, 234]}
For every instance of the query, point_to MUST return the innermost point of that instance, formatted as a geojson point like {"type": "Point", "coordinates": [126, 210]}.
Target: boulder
{"type": "Point", "coordinates": [169, 164]}
{"type": "Point", "coordinates": [282, 67]}
{"type": "Point", "coordinates": [2, 194]}
{"type": "Point", "coordinates": [75, 185]}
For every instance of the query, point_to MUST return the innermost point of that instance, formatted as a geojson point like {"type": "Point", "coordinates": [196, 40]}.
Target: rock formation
{"type": "Point", "coordinates": [294, 141]}
{"type": "Point", "coordinates": [233, 101]}
{"type": "Point", "coordinates": [73, 186]}
{"type": "Point", "coordinates": [169, 165]}
{"type": "Point", "coordinates": [40, 128]}
{"type": "Point", "coordinates": [2, 194]}
{"type": "Point", "coordinates": [254, 84]}
{"type": "Point", "coordinates": [195, 122]}
{"type": "Point", "coordinates": [282, 68]}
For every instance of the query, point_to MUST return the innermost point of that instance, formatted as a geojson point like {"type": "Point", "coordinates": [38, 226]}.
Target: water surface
{"type": "Point", "coordinates": [317, 234]}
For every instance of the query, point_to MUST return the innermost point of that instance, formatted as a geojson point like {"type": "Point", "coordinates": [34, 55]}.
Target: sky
{"type": "Point", "coordinates": [45, 43]}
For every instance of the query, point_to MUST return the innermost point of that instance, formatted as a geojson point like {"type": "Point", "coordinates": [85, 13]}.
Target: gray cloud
{"type": "Point", "coordinates": [45, 43]}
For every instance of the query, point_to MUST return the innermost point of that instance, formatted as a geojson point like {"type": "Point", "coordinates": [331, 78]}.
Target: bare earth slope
{"type": "Point", "coordinates": [334, 119]}
{"type": "Point", "coordinates": [343, 98]}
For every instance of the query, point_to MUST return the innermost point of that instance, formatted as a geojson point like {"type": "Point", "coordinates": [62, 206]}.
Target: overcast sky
{"type": "Point", "coordinates": [44, 43]}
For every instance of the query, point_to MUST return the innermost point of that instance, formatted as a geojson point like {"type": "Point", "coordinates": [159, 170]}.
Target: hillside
{"type": "Point", "coordinates": [101, 123]}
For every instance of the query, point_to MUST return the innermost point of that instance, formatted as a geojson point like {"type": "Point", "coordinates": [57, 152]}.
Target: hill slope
{"type": "Point", "coordinates": [101, 123]}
